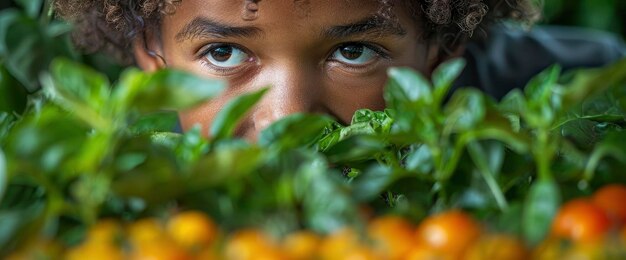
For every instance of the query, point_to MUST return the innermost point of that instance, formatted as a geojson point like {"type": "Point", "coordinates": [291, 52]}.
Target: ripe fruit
{"type": "Point", "coordinates": [423, 252]}
{"type": "Point", "coordinates": [301, 245]}
{"type": "Point", "coordinates": [192, 229]}
{"type": "Point", "coordinates": [451, 232]}
{"type": "Point", "coordinates": [581, 220]}
{"type": "Point", "coordinates": [145, 231]}
{"type": "Point", "coordinates": [497, 247]}
{"type": "Point", "coordinates": [104, 231]}
{"type": "Point", "coordinates": [251, 244]}
{"type": "Point", "coordinates": [338, 244]}
{"type": "Point", "coordinates": [392, 236]}
{"type": "Point", "coordinates": [612, 199]}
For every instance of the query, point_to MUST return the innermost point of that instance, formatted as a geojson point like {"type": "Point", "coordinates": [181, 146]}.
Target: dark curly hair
{"type": "Point", "coordinates": [112, 25]}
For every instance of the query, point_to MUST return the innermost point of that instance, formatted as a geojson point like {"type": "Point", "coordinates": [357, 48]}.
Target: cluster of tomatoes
{"type": "Point", "coordinates": [584, 228]}
{"type": "Point", "coordinates": [591, 227]}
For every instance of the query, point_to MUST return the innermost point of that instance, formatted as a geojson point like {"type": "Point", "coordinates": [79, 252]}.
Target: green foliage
{"type": "Point", "coordinates": [84, 150]}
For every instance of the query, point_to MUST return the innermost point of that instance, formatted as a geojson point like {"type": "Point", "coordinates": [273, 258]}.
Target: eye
{"type": "Point", "coordinates": [354, 54]}
{"type": "Point", "coordinates": [225, 56]}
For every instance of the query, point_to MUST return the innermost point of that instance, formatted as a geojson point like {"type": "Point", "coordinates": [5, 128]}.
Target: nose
{"type": "Point", "coordinates": [292, 90]}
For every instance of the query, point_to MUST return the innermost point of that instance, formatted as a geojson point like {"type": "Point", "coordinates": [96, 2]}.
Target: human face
{"type": "Point", "coordinates": [316, 56]}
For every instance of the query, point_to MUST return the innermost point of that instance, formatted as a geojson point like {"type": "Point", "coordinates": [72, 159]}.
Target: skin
{"type": "Point", "coordinates": [305, 51]}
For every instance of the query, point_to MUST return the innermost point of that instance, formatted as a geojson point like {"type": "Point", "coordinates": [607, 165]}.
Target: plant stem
{"type": "Point", "coordinates": [487, 175]}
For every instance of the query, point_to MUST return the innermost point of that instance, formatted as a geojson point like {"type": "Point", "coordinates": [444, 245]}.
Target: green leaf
{"type": "Point", "coordinates": [31, 7]}
{"type": "Point", "coordinates": [224, 164]}
{"type": "Point", "coordinates": [164, 121]}
{"type": "Point", "coordinates": [7, 18]}
{"type": "Point", "coordinates": [80, 90]}
{"type": "Point", "coordinates": [444, 75]}
{"type": "Point", "coordinates": [355, 148]}
{"type": "Point", "coordinates": [613, 145]}
{"type": "Point", "coordinates": [12, 94]}
{"type": "Point", "coordinates": [6, 122]}
{"type": "Point", "coordinates": [406, 86]}
{"type": "Point", "coordinates": [465, 110]}
{"type": "Point", "coordinates": [293, 131]}
{"type": "Point", "coordinates": [80, 83]}
{"type": "Point", "coordinates": [4, 175]}
{"type": "Point", "coordinates": [420, 159]}
{"type": "Point", "coordinates": [21, 38]}
{"type": "Point", "coordinates": [47, 141]}
{"type": "Point", "coordinates": [589, 82]}
{"type": "Point", "coordinates": [542, 204]}
{"type": "Point", "coordinates": [225, 122]}
{"type": "Point", "coordinates": [372, 182]}
{"type": "Point", "coordinates": [540, 88]}
{"type": "Point", "coordinates": [162, 90]}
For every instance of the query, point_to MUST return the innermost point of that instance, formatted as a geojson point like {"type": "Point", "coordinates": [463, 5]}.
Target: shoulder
{"type": "Point", "coordinates": [511, 56]}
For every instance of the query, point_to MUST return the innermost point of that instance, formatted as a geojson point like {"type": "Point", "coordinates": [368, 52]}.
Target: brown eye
{"type": "Point", "coordinates": [221, 53]}
{"type": "Point", "coordinates": [226, 56]}
{"type": "Point", "coordinates": [354, 54]}
{"type": "Point", "coordinates": [351, 52]}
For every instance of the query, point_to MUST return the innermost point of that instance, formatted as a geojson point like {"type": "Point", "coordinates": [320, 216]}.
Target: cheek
{"type": "Point", "coordinates": [201, 115]}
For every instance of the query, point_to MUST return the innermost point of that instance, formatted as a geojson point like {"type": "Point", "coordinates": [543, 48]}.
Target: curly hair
{"type": "Point", "coordinates": [112, 25]}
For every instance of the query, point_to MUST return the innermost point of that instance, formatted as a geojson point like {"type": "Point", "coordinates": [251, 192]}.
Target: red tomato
{"type": "Point", "coordinates": [612, 198]}
{"type": "Point", "coordinates": [581, 220]}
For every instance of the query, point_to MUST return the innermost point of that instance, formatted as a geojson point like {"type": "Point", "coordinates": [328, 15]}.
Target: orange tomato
{"type": "Point", "coordinates": [424, 252]}
{"type": "Point", "coordinates": [251, 244]}
{"type": "Point", "coordinates": [612, 199]}
{"type": "Point", "coordinates": [392, 236]}
{"type": "Point", "coordinates": [338, 244]}
{"type": "Point", "coordinates": [301, 245]}
{"type": "Point", "coordinates": [451, 232]}
{"type": "Point", "coordinates": [581, 220]}
{"type": "Point", "coordinates": [192, 229]}
{"type": "Point", "coordinates": [497, 247]}
{"type": "Point", "coordinates": [361, 253]}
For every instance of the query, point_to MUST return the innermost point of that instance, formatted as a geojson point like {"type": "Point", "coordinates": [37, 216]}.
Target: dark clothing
{"type": "Point", "coordinates": [510, 57]}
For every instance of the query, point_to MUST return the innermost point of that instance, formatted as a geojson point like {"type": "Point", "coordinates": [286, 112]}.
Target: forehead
{"type": "Point", "coordinates": [270, 12]}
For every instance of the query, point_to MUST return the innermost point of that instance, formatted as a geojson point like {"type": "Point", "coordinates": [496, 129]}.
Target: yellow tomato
{"type": "Point", "coordinates": [105, 231]}
{"type": "Point", "coordinates": [301, 245]}
{"type": "Point", "coordinates": [145, 231]}
{"type": "Point", "coordinates": [162, 249]}
{"type": "Point", "coordinates": [192, 229]}
{"type": "Point", "coordinates": [338, 244]}
{"type": "Point", "coordinates": [392, 236]}
{"type": "Point", "coordinates": [95, 251]}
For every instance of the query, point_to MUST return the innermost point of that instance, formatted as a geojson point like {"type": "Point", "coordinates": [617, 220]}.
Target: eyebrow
{"type": "Point", "coordinates": [202, 27]}
{"type": "Point", "coordinates": [372, 26]}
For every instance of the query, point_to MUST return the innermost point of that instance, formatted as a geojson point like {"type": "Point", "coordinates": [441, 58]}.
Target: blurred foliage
{"type": "Point", "coordinates": [598, 14]}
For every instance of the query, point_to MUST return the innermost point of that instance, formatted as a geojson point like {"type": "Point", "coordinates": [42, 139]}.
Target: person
{"type": "Point", "coordinates": [327, 56]}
